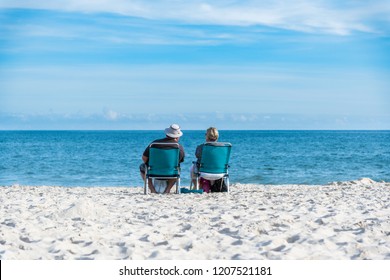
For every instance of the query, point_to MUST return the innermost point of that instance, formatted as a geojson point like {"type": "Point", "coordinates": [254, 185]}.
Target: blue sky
{"type": "Point", "coordinates": [232, 64]}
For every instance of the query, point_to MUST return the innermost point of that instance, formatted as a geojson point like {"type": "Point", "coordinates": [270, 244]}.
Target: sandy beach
{"type": "Point", "coordinates": [342, 220]}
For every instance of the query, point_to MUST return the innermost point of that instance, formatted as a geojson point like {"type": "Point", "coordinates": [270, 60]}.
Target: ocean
{"type": "Point", "coordinates": [112, 158]}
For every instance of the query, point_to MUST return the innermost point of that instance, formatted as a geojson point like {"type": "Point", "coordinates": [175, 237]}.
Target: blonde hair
{"type": "Point", "coordinates": [212, 134]}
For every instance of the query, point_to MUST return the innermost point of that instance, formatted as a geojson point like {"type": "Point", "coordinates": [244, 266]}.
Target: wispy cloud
{"type": "Point", "coordinates": [333, 17]}
{"type": "Point", "coordinates": [58, 29]}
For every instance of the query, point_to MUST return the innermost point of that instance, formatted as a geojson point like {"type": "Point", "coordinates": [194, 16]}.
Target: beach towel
{"type": "Point", "coordinates": [185, 190]}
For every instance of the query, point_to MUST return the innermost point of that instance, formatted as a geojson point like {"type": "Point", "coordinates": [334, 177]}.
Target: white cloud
{"type": "Point", "coordinates": [111, 115]}
{"type": "Point", "coordinates": [334, 17]}
{"type": "Point", "coordinates": [220, 116]}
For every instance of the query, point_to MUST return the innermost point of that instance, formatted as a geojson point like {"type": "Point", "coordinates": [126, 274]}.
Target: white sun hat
{"type": "Point", "coordinates": [173, 131]}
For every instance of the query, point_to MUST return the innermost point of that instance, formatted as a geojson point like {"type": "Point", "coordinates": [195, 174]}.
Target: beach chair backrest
{"type": "Point", "coordinates": [215, 157]}
{"type": "Point", "coordinates": [164, 160]}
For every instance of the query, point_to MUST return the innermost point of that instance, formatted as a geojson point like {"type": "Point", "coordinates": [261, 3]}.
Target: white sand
{"type": "Point", "coordinates": [349, 220]}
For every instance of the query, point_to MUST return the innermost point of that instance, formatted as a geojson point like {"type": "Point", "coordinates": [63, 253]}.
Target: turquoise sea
{"type": "Point", "coordinates": [111, 158]}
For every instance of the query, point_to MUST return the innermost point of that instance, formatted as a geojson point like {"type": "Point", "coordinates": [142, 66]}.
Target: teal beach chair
{"type": "Point", "coordinates": [164, 163]}
{"type": "Point", "coordinates": [214, 162]}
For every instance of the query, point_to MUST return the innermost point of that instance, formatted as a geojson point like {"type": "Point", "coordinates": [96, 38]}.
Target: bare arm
{"type": "Point", "coordinates": [145, 159]}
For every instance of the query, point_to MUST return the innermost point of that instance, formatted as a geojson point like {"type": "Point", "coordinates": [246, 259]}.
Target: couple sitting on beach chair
{"type": "Point", "coordinates": [161, 168]}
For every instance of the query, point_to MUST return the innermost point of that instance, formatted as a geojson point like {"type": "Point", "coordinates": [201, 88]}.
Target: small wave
{"type": "Point", "coordinates": [269, 168]}
{"type": "Point", "coordinates": [361, 181]}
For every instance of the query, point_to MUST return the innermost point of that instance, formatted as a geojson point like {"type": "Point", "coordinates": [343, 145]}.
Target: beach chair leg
{"type": "Point", "coordinates": [227, 185]}
{"type": "Point", "coordinates": [146, 186]}
{"type": "Point", "coordinates": [194, 186]}
{"type": "Point", "coordinates": [178, 186]}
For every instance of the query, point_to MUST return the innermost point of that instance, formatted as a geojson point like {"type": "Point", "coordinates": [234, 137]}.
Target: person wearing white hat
{"type": "Point", "coordinates": [173, 131]}
{"type": "Point", "coordinates": [173, 134]}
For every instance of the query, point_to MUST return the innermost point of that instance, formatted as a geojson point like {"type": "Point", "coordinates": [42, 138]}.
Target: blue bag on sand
{"type": "Point", "coordinates": [184, 190]}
